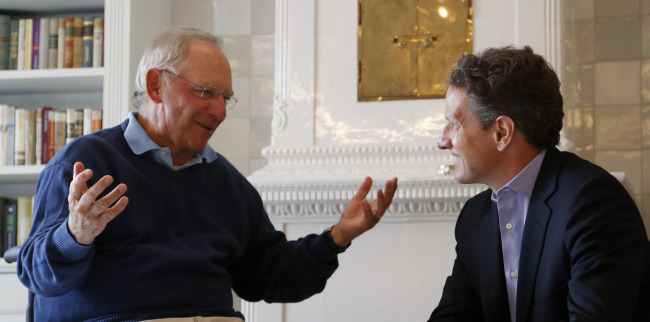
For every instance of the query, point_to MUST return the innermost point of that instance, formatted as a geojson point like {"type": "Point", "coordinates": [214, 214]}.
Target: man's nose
{"type": "Point", "coordinates": [443, 142]}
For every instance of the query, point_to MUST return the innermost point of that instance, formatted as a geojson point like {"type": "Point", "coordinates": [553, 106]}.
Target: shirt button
{"type": "Point", "coordinates": [513, 274]}
{"type": "Point", "coordinates": [162, 154]}
{"type": "Point", "coordinates": [508, 226]}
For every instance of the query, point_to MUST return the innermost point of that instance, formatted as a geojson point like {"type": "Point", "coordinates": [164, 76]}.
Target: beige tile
{"type": "Point", "coordinates": [238, 51]}
{"type": "Point", "coordinates": [232, 138]}
{"type": "Point", "coordinates": [579, 128]}
{"type": "Point", "coordinates": [579, 9]}
{"type": "Point", "coordinates": [646, 171]}
{"type": "Point", "coordinates": [618, 127]}
{"type": "Point", "coordinates": [618, 82]}
{"type": "Point", "coordinates": [579, 85]}
{"type": "Point", "coordinates": [645, 6]}
{"type": "Point", "coordinates": [645, 36]}
{"type": "Point", "coordinates": [262, 91]}
{"type": "Point", "coordinates": [231, 17]}
{"type": "Point", "coordinates": [628, 162]}
{"type": "Point", "coordinates": [584, 41]}
{"type": "Point", "coordinates": [262, 55]}
{"type": "Point", "coordinates": [241, 88]}
{"type": "Point", "coordinates": [262, 16]}
{"type": "Point", "coordinates": [645, 126]}
{"type": "Point", "coordinates": [260, 134]}
{"type": "Point", "coordinates": [617, 38]}
{"type": "Point", "coordinates": [608, 8]}
{"type": "Point", "coordinates": [194, 13]}
{"type": "Point", "coordinates": [645, 80]}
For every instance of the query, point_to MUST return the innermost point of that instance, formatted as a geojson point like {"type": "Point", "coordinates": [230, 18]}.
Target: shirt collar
{"type": "Point", "coordinates": [524, 182]}
{"type": "Point", "coordinates": [140, 143]}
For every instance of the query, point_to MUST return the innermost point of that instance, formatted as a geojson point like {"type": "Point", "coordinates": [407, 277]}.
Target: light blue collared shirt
{"type": "Point", "coordinates": [140, 143]}
{"type": "Point", "coordinates": [512, 202]}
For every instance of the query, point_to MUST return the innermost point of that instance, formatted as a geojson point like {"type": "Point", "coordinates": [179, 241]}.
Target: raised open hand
{"type": "Point", "coordinates": [89, 215]}
{"type": "Point", "coordinates": [360, 216]}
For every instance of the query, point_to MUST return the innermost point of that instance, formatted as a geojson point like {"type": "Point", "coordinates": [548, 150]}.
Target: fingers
{"type": "Point", "coordinates": [384, 198]}
{"type": "Point", "coordinates": [78, 185]}
{"type": "Point", "coordinates": [88, 214]}
{"type": "Point", "coordinates": [363, 189]}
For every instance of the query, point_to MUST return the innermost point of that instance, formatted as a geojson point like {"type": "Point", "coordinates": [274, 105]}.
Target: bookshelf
{"type": "Point", "coordinates": [129, 24]}
{"type": "Point", "coordinates": [73, 87]}
{"type": "Point", "coordinates": [62, 88]}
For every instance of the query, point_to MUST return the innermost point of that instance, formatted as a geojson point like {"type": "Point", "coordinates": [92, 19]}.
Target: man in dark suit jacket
{"type": "Point", "coordinates": [555, 237]}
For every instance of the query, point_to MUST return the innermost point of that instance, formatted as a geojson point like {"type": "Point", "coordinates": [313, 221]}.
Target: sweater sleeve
{"type": "Point", "coordinates": [276, 270]}
{"type": "Point", "coordinates": [51, 262]}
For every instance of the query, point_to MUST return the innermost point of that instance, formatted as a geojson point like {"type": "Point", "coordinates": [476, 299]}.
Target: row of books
{"type": "Point", "coordinates": [33, 136]}
{"type": "Point", "coordinates": [15, 221]}
{"type": "Point", "coordinates": [51, 42]}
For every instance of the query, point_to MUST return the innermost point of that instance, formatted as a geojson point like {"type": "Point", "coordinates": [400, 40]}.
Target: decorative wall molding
{"type": "Point", "coordinates": [280, 99]}
{"type": "Point", "coordinates": [315, 183]}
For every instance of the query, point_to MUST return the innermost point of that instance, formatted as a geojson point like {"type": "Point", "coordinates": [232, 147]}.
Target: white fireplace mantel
{"type": "Point", "coordinates": [315, 183]}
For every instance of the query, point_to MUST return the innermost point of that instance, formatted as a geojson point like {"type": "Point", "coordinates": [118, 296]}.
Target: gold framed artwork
{"type": "Point", "coordinates": [407, 47]}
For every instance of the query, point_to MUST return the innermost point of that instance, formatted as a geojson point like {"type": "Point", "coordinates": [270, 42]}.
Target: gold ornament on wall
{"type": "Point", "coordinates": [407, 47]}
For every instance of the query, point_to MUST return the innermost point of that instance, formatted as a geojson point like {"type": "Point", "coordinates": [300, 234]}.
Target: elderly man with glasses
{"type": "Point", "coordinates": [189, 229]}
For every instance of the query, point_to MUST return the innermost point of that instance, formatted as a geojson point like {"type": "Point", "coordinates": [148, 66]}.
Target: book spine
{"type": "Point", "coordinates": [5, 32]}
{"type": "Point", "coordinates": [29, 35]}
{"type": "Point", "coordinates": [97, 120]}
{"type": "Point", "coordinates": [11, 218]}
{"type": "Point", "coordinates": [69, 43]}
{"type": "Point", "coordinates": [30, 137]}
{"type": "Point", "coordinates": [44, 53]}
{"type": "Point", "coordinates": [60, 61]}
{"type": "Point", "coordinates": [2, 224]}
{"type": "Point", "coordinates": [70, 123]}
{"type": "Point", "coordinates": [45, 140]}
{"type": "Point", "coordinates": [88, 42]}
{"type": "Point", "coordinates": [11, 134]}
{"type": "Point", "coordinates": [24, 218]}
{"type": "Point", "coordinates": [20, 60]}
{"type": "Point", "coordinates": [53, 44]}
{"type": "Point", "coordinates": [78, 42]}
{"type": "Point", "coordinates": [98, 42]}
{"type": "Point", "coordinates": [60, 132]}
{"type": "Point", "coordinates": [13, 45]}
{"type": "Point", "coordinates": [52, 142]}
{"type": "Point", "coordinates": [36, 43]}
{"type": "Point", "coordinates": [39, 137]}
{"type": "Point", "coordinates": [88, 120]}
{"type": "Point", "coordinates": [19, 138]}
{"type": "Point", "coordinates": [4, 111]}
{"type": "Point", "coordinates": [79, 123]}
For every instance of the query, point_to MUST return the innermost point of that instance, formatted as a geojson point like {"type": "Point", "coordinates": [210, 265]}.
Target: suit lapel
{"type": "Point", "coordinates": [535, 231]}
{"type": "Point", "coordinates": [494, 296]}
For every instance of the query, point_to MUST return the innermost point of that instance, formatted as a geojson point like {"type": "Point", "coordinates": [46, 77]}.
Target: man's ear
{"type": "Point", "coordinates": [504, 129]}
{"type": "Point", "coordinates": [154, 83]}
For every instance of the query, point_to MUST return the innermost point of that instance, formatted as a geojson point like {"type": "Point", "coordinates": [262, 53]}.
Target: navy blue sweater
{"type": "Point", "coordinates": [183, 242]}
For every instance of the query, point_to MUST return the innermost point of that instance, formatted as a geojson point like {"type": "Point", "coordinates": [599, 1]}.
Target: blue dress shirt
{"type": "Point", "coordinates": [140, 142]}
{"type": "Point", "coordinates": [512, 203]}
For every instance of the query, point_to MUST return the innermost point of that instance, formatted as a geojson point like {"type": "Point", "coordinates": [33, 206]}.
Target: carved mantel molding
{"type": "Point", "coordinates": [315, 183]}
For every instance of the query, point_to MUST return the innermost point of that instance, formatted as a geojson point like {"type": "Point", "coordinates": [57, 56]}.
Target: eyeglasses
{"type": "Point", "coordinates": [208, 92]}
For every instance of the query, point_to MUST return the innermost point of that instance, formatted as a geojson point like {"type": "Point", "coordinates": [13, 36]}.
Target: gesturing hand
{"type": "Point", "coordinates": [89, 215]}
{"type": "Point", "coordinates": [360, 216]}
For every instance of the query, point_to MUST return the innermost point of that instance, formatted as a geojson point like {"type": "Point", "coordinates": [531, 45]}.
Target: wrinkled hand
{"type": "Point", "coordinates": [89, 215]}
{"type": "Point", "coordinates": [360, 216]}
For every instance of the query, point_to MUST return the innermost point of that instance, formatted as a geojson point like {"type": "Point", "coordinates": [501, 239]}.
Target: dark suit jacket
{"type": "Point", "coordinates": [585, 255]}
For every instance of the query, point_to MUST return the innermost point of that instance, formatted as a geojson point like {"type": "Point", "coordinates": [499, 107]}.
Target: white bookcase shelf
{"type": "Point", "coordinates": [51, 80]}
{"type": "Point", "coordinates": [20, 173]}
